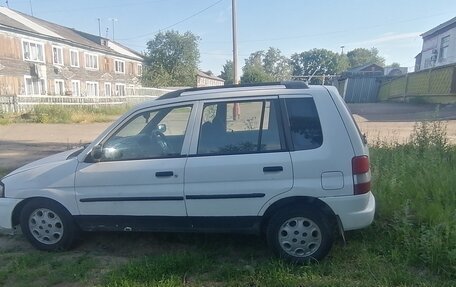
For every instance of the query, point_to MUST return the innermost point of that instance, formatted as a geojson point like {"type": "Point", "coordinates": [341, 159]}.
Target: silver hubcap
{"type": "Point", "coordinates": [299, 237]}
{"type": "Point", "coordinates": [46, 226]}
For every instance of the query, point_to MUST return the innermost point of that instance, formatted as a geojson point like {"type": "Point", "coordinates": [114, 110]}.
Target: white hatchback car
{"type": "Point", "coordinates": [285, 160]}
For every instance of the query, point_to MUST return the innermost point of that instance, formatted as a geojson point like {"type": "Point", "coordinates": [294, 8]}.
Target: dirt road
{"type": "Point", "coordinates": [23, 143]}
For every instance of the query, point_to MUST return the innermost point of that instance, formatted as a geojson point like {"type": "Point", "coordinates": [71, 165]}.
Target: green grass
{"type": "Point", "coordinates": [412, 241]}
{"type": "Point", "coordinates": [43, 269]}
{"type": "Point", "coordinates": [3, 172]}
{"type": "Point", "coordinates": [66, 114]}
{"type": "Point", "coordinates": [84, 114]}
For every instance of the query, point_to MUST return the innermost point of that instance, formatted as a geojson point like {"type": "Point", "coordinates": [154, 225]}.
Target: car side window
{"type": "Point", "coordinates": [150, 134]}
{"type": "Point", "coordinates": [305, 127]}
{"type": "Point", "coordinates": [239, 127]}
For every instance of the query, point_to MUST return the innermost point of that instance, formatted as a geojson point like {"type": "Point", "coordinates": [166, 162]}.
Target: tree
{"type": "Point", "coordinates": [254, 74]}
{"type": "Point", "coordinates": [394, 65]}
{"type": "Point", "coordinates": [277, 65]}
{"type": "Point", "coordinates": [266, 67]}
{"type": "Point", "coordinates": [171, 60]}
{"type": "Point", "coordinates": [228, 73]}
{"type": "Point", "coordinates": [315, 62]}
{"type": "Point", "coordinates": [362, 56]}
{"type": "Point", "coordinates": [253, 70]}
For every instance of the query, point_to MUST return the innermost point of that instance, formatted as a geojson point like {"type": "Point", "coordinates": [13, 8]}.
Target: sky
{"type": "Point", "coordinates": [293, 26]}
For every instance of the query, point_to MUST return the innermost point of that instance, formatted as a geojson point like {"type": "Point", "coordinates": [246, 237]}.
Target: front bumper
{"type": "Point", "coordinates": [7, 206]}
{"type": "Point", "coordinates": [355, 212]}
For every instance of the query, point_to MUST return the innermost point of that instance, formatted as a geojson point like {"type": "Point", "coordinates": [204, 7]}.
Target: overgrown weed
{"type": "Point", "coordinates": [414, 184]}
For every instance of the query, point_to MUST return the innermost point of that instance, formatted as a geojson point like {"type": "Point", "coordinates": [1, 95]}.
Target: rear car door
{"type": "Point", "coordinates": [320, 149]}
{"type": "Point", "coordinates": [238, 161]}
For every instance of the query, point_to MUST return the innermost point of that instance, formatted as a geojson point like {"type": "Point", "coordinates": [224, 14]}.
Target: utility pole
{"type": "Point", "coordinates": [233, 15]}
{"type": "Point", "coordinates": [342, 48]}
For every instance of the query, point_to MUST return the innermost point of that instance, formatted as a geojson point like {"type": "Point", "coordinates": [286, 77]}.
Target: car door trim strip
{"type": "Point", "coordinates": [149, 198]}
{"type": "Point", "coordinates": [225, 196]}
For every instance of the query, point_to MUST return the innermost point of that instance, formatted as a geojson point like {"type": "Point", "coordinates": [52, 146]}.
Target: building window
{"type": "Point", "coordinates": [106, 64]}
{"type": "Point", "coordinates": [74, 58]}
{"type": "Point", "coordinates": [119, 66]}
{"type": "Point", "coordinates": [59, 87]}
{"type": "Point", "coordinates": [91, 61]}
{"type": "Point", "coordinates": [76, 88]}
{"type": "Point", "coordinates": [427, 63]}
{"type": "Point", "coordinates": [92, 89]}
{"type": "Point", "coordinates": [57, 55]}
{"type": "Point", "coordinates": [33, 51]}
{"type": "Point", "coordinates": [140, 70]}
{"type": "Point", "coordinates": [108, 90]}
{"type": "Point", "coordinates": [120, 90]}
{"type": "Point", "coordinates": [444, 47]}
{"type": "Point", "coordinates": [34, 86]}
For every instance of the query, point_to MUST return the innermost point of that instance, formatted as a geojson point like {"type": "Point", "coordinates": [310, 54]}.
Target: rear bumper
{"type": "Point", "coordinates": [7, 206]}
{"type": "Point", "coordinates": [355, 212]}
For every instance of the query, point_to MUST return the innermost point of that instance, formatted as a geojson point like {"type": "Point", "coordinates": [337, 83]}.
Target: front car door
{"type": "Point", "coordinates": [137, 182]}
{"type": "Point", "coordinates": [238, 161]}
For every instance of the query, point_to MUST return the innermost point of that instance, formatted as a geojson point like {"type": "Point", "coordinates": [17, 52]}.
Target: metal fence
{"type": "Point", "coordinates": [432, 85]}
{"type": "Point", "coordinates": [25, 103]}
{"type": "Point", "coordinates": [362, 89]}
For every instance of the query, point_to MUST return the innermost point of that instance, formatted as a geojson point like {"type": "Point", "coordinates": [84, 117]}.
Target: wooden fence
{"type": "Point", "coordinates": [25, 103]}
{"type": "Point", "coordinates": [437, 85]}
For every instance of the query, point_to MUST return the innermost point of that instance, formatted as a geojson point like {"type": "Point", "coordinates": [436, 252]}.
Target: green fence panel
{"type": "Point", "coordinates": [440, 81]}
{"type": "Point", "coordinates": [418, 83]}
{"type": "Point", "coordinates": [397, 88]}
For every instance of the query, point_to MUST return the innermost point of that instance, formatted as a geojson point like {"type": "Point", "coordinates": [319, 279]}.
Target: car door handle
{"type": "Point", "coordinates": [164, 173]}
{"type": "Point", "coordinates": [272, 168]}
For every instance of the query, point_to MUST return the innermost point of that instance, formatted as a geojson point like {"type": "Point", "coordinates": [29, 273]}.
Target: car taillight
{"type": "Point", "coordinates": [361, 174]}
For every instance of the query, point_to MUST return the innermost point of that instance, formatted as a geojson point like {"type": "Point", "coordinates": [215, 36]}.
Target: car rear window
{"type": "Point", "coordinates": [305, 127]}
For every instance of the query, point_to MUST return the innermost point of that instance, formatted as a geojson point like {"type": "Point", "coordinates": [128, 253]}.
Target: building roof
{"type": "Point", "coordinates": [21, 23]}
{"type": "Point", "coordinates": [446, 25]}
{"type": "Point", "coordinates": [361, 68]}
{"type": "Point", "coordinates": [204, 75]}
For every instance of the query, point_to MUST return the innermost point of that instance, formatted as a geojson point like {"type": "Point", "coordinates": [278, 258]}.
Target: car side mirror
{"type": "Point", "coordinates": [161, 128]}
{"type": "Point", "coordinates": [97, 152]}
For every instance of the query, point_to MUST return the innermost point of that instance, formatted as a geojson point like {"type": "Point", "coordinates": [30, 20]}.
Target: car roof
{"type": "Point", "coordinates": [217, 92]}
{"type": "Point", "coordinates": [242, 87]}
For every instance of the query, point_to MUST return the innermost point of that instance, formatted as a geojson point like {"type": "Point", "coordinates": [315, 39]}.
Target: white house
{"type": "Point", "coordinates": [439, 46]}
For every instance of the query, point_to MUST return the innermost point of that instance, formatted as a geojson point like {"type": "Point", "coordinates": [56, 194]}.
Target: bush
{"type": "Point", "coordinates": [414, 186]}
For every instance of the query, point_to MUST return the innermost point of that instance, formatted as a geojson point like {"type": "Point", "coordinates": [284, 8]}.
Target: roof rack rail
{"type": "Point", "coordinates": [287, 84]}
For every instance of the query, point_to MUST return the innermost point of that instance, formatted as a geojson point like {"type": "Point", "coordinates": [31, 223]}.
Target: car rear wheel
{"type": "Point", "coordinates": [48, 225]}
{"type": "Point", "coordinates": [300, 235]}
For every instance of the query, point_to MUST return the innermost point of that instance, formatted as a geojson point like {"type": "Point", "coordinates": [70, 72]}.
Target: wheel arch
{"type": "Point", "coordinates": [297, 201]}
{"type": "Point", "coordinates": [15, 218]}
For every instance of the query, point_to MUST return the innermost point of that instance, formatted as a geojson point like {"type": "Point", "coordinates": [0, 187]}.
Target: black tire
{"type": "Point", "coordinates": [311, 238]}
{"type": "Point", "coordinates": [47, 225]}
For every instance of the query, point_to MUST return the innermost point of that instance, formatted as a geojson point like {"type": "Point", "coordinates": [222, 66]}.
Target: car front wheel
{"type": "Point", "coordinates": [48, 225]}
{"type": "Point", "coordinates": [300, 235]}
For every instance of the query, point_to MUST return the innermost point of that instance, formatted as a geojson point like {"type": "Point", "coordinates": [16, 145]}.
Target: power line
{"type": "Point", "coordinates": [331, 32]}
{"type": "Point", "coordinates": [175, 24]}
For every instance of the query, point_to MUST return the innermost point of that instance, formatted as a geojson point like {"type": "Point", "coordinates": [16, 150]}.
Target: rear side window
{"type": "Point", "coordinates": [239, 127]}
{"type": "Point", "coordinates": [305, 127]}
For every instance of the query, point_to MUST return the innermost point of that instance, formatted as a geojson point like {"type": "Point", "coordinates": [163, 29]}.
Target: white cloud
{"type": "Point", "coordinates": [387, 38]}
